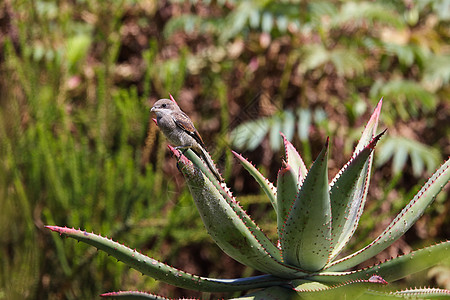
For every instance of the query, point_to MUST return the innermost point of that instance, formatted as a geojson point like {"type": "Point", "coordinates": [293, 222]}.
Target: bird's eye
{"type": "Point", "coordinates": [164, 105]}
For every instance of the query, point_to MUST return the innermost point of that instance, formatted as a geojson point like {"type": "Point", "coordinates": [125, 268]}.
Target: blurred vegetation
{"type": "Point", "coordinates": [77, 148]}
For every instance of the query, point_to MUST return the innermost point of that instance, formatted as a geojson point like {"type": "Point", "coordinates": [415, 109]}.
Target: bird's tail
{"type": "Point", "coordinates": [210, 163]}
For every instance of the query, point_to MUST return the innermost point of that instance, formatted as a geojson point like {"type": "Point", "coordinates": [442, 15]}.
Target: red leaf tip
{"type": "Point", "coordinates": [53, 228]}
{"type": "Point", "coordinates": [377, 279]}
{"type": "Point", "coordinates": [172, 98]}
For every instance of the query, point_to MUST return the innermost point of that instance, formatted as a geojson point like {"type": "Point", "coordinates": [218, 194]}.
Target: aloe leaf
{"type": "Point", "coordinates": [223, 190]}
{"type": "Point", "coordinates": [358, 199]}
{"type": "Point", "coordinates": [346, 290]}
{"type": "Point", "coordinates": [163, 272]}
{"type": "Point", "coordinates": [229, 225]}
{"type": "Point", "coordinates": [272, 293]}
{"type": "Point", "coordinates": [305, 238]}
{"type": "Point", "coordinates": [287, 189]}
{"type": "Point", "coordinates": [402, 222]}
{"type": "Point", "coordinates": [428, 293]}
{"type": "Point", "coordinates": [410, 263]}
{"type": "Point", "coordinates": [346, 196]}
{"type": "Point", "coordinates": [377, 295]}
{"type": "Point", "coordinates": [133, 295]}
{"type": "Point", "coordinates": [395, 268]}
{"type": "Point", "coordinates": [370, 129]}
{"type": "Point", "coordinates": [201, 165]}
{"type": "Point", "coordinates": [294, 160]}
{"type": "Point", "coordinates": [263, 182]}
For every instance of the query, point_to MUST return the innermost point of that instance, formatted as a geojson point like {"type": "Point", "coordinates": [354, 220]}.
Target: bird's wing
{"type": "Point", "coordinates": [183, 121]}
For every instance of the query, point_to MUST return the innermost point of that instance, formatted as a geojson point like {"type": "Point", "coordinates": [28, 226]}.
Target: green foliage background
{"type": "Point", "coordinates": [77, 146]}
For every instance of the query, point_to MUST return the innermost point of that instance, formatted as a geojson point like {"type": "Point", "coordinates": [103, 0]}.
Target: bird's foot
{"type": "Point", "coordinates": [183, 149]}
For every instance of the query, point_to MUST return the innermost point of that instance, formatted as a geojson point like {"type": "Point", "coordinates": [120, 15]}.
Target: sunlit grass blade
{"type": "Point", "coordinates": [402, 222]}
{"type": "Point", "coordinates": [305, 238]}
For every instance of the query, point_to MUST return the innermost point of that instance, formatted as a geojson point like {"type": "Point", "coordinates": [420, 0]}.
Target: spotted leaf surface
{"type": "Point", "coordinates": [305, 238]}
{"type": "Point", "coordinates": [402, 222]}
{"type": "Point", "coordinates": [230, 227]}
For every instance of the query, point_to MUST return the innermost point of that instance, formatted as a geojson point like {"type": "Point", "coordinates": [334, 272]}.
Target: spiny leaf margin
{"type": "Point", "coordinates": [164, 272]}
{"type": "Point", "coordinates": [346, 195]}
{"type": "Point", "coordinates": [393, 269]}
{"type": "Point", "coordinates": [263, 182]}
{"type": "Point", "coordinates": [306, 235]}
{"type": "Point", "coordinates": [402, 222]}
{"type": "Point", "coordinates": [262, 254]}
{"type": "Point", "coordinates": [357, 205]}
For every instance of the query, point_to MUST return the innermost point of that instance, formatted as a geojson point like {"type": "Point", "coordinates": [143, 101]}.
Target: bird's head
{"type": "Point", "coordinates": [164, 106]}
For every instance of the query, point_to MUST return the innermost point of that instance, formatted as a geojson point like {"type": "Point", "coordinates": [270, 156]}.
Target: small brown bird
{"type": "Point", "coordinates": [180, 131]}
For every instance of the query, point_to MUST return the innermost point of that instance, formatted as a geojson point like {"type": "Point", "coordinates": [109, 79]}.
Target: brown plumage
{"type": "Point", "coordinates": [181, 132]}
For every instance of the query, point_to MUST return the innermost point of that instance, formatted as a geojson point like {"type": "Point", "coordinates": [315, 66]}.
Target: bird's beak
{"type": "Point", "coordinates": [153, 109]}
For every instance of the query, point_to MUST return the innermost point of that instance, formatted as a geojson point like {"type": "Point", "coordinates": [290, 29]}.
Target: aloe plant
{"type": "Point", "coordinates": [316, 220]}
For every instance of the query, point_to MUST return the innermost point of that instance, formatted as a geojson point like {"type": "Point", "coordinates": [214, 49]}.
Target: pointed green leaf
{"type": "Point", "coordinates": [346, 196]}
{"type": "Point", "coordinates": [396, 268]}
{"type": "Point", "coordinates": [287, 189]}
{"type": "Point", "coordinates": [362, 186]}
{"type": "Point", "coordinates": [226, 194]}
{"type": "Point", "coordinates": [345, 290]}
{"type": "Point", "coordinates": [198, 162]}
{"type": "Point", "coordinates": [411, 263]}
{"type": "Point", "coordinates": [378, 295]}
{"type": "Point", "coordinates": [305, 238]}
{"type": "Point", "coordinates": [163, 272]}
{"type": "Point", "coordinates": [272, 293]}
{"type": "Point", "coordinates": [230, 226]}
{"type": "Point", "coordinates": [428, 293]}
{"type": "Point", "coordinates": [294, 160]}
{"type": "Point", "coordinates": [402, 222]}
{"type": "Point", "coordinates": [133, 295]}
{"type": "Point", "coordinates": [302, 285]}
{"type": "Point", "coordinates": [370, 129]}
{"type": "Point", "coordinates": [264, 183]}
